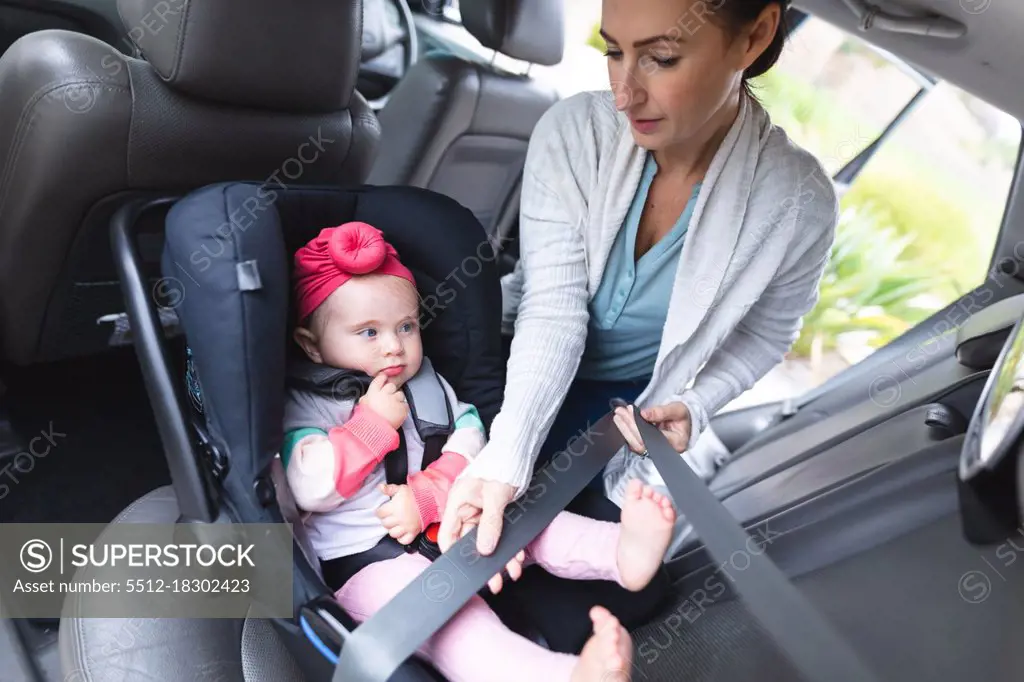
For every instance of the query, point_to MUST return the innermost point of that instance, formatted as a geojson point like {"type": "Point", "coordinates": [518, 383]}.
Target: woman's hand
{"type": "Point", "coordinates": [672, 419]}
{"type": "Point", "coordinates": [478, 503]}
{"type": "Point", "coordinates": [474, 502]}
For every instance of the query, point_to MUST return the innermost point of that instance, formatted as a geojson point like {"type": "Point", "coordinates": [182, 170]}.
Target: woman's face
{"type": "Point", "coordinates": [674, 68]}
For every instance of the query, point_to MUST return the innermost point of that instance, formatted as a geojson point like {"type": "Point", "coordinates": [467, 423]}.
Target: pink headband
{"type": "Point", "coordinates": [335, 256]}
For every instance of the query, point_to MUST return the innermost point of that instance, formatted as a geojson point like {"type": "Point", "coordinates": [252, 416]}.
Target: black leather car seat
{"type": "Point", "coordinates": [461, 128]}
{"type": "Point", "coordinates": [227, 90]}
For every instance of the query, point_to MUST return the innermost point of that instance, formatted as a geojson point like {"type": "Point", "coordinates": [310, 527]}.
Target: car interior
{"type": "Point", "coordinates": [881, 500]}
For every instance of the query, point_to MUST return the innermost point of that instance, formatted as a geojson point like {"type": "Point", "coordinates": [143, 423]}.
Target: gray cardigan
{"type": "Point", "coordinates": [758, 242]}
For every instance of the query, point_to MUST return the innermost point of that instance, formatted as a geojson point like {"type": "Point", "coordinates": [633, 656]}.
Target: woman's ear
{"type": "Point", "coordinates": [759, 34]}
{"type": "Point", "coordinates": [308, 343]}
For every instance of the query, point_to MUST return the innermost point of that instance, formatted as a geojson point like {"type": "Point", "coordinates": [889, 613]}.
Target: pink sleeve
{"type": "Point", "coordinates": [430, 487]}
{"type": "Point", "coordinates": [359, 446]}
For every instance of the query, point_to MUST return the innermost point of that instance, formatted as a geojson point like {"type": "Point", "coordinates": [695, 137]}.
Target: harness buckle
{"type": "Point", "coordinates": [426, 543]}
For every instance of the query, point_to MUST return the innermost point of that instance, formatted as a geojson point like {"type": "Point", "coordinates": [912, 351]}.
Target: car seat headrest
{"type": "Point", "coordinates": [530, 30]}
{"type": "Point", "coordinates": [255, 53]}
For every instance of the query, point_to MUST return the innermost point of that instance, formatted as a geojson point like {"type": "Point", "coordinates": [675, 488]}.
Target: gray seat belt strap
{"type": "Point", "coordinates": [810, 642]}
{"type": "Point", "coordinates": [375, 649]}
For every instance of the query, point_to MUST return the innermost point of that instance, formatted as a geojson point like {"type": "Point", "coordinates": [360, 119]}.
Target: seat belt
{"type": "Point", "coordinates": [374, 650]}
{"type": "Point", "coordinates": [798, 628]}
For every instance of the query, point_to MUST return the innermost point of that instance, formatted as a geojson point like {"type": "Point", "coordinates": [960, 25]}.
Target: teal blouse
{"type": "Point", "coordinates": [627, 313]}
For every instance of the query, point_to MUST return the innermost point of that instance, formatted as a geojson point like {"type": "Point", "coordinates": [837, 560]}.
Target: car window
{"type": "Point", "coordinates": [919, 219]}
{"type": "Point", "coordinates": [834, 94]}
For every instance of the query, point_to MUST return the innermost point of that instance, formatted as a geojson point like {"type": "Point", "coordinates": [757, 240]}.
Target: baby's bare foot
{"type": "Point", "coordinates": [608, 654]}
{"type": "Point", "coordinates": [646, 529]}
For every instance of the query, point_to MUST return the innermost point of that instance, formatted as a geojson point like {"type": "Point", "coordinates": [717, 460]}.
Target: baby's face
{"type": "Point", "coordinates": [370, 323]}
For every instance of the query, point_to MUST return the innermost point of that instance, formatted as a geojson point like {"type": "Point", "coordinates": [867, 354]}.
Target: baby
{"type": "Point", "coordinates": [358, 309]}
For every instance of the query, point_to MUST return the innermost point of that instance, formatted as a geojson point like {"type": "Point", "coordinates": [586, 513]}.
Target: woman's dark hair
{"type": "Point", "coordinates": [734, 15]}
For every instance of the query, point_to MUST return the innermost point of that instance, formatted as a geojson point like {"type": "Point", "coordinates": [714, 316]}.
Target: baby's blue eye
{"type": "Point", "coordinates": [370, 333]}
{"type": "Point", "coordinates": [407, 327]}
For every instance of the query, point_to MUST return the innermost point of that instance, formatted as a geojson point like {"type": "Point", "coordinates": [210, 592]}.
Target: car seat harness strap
{"type": "Point", "coordinates": [432, 416]}
{"type": "Point", "coordinates": [428, 405]}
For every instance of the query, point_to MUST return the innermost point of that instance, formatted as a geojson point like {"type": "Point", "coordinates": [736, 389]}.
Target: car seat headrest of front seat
{"type": "Point", "coordinates": [530, 30]}
{"type": "Point", "coordinates": [255, 53]}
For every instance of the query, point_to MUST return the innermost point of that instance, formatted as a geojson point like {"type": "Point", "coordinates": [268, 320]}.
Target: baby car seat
{"type": "Point", "coordinates": [227, 268]}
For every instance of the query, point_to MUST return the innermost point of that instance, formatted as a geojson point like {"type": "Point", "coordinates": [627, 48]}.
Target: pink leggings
{"type": "Point", "coordinates": [475, 645]}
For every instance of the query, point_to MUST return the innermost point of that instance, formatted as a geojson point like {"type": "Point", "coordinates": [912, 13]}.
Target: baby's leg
{"type": "Point", "coordinates": [629, 552]}
{"type": "Point", "coordinates": [474, 645]}
{"type": "Point", "coordinates": [577, 548]}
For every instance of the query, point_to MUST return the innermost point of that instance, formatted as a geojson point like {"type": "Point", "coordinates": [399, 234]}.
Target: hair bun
{"type": "Point", "coordinates": [357, 248]}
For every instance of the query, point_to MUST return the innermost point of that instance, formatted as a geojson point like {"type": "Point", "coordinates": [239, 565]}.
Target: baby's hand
{"type": "Point", "coordinates": [386, 400]}
{"type": "Point", "coordinates": [400, 515]}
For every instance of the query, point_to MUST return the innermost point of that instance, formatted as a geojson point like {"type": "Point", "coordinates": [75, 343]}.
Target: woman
{"type": "Point", "coordinates": [671, 241]}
